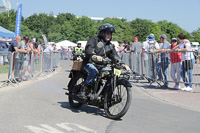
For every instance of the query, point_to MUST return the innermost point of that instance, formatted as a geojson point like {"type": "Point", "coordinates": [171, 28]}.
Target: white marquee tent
{"type": "Point", "coordinates": [65, 44]}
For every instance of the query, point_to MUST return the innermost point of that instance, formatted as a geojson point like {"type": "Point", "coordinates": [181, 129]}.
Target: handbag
{"type": "Point", "coordinates": [187, 65]}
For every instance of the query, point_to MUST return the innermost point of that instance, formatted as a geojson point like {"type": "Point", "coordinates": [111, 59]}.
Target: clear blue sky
{"type": "Point", "coordinates": [185, 13]}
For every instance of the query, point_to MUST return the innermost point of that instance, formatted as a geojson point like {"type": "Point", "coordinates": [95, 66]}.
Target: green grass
{"type": "Point", "coordinates": [4, 69]}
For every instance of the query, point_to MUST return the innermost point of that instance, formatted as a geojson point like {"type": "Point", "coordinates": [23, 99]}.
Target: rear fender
{"type": "Point", "coordinates": [75, 74]}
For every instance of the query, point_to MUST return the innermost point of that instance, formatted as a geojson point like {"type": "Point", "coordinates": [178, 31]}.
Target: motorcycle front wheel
{"type": "Point", "coordinates": [117, 103]}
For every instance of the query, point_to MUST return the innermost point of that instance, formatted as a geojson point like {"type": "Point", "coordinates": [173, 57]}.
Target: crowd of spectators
{"type": "Point", "coordinates": [159, 57]}
{"type": "Point", "coordinates": [25, 49]}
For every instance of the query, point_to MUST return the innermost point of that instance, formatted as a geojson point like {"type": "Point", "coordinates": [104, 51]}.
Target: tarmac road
{"type": "Point", "coordinates": [42, 107]}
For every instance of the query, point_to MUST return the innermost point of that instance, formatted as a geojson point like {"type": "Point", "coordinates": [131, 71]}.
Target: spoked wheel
{"type": "Point", "coordinates": [75, 82]}
{"type": "Point", "coordinates": [117, 103]}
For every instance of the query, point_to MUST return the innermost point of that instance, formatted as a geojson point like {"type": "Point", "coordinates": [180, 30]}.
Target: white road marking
{"type": "Point", "coordinates": [85, 129]}
{"type": "Point", "coordinates": [45, 129]}
{"type": "Point", "coordinates": [69, 127]}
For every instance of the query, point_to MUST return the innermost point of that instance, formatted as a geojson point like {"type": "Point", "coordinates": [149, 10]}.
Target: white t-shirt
{"type": "Point", "coordinates": [150, 47]}
{"type": "Point", "coordinates": [187, 55]}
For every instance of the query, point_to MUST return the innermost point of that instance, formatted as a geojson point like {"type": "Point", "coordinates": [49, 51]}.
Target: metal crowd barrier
{"type": "Point", "coordinates": [5, 62]}
{"type": "Point", "coordinates": [21, 67]}
{"type": "Point", "coordinates": [153, 66]}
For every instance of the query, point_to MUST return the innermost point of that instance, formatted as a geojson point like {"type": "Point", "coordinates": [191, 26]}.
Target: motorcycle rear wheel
{"type": "Point", "coordinates": [75, 81]}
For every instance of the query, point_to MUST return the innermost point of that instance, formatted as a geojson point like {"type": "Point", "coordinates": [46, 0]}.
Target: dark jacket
{"type": "Point", "coordinates": [107, 51]}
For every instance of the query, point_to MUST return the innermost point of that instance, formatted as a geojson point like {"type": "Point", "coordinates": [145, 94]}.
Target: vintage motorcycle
{"type": "Point", "coordinates": [111, 90]}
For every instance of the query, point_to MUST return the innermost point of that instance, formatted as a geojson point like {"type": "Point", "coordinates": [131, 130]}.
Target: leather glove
{"type": "Point", "coordinates": [97, 58]}
{"type": "Point", "coordinates": [127, 68]}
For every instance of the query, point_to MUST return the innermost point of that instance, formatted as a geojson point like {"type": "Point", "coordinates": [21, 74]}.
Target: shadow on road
{"type": "Point", "coordinates": [84, 108]}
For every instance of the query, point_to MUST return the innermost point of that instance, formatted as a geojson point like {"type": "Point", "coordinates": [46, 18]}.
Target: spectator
{"type": "Point", "coordinates": [49, 48]}
{"type": "Point", "coordinates": [165, 60]}
{"type": "Point", "coordinates": [176, 61]}
{"type": "Point", "coordinates": [188, 61]}
{"type": "Point", "coordinates": [149, 46]}
{"type": "Point", "coordinates": [136, 46]}
{"type": "Point", "coordinates": [121, 49]}
{"type": "Point", "coordinates": [3, 53]}
{"type": "Point", "coordinates": [137, 50]}
{"type": "Point", "coordinates": [69, 53]}
{"type": "Point", "coordinates": [17, 46]}
{"type": "Point", "coordinates": [63, 53]}
{"type": "Point", "coordinates": [36, 46]}
{"type": "Point", "coordinates": [126, 54]}
{"type": "Point", "coordinates": [25, 58]}
{"type": "Point", "coordinates": [40, 48]}
{"type": "Point", "coordinates": [13, 47]}
{"type": "Point", "coordinates": [126, 47]}
{"type": "Point", "coordinates": [47, 55]}
{"type": "Point", "coordinates": [199, 54]}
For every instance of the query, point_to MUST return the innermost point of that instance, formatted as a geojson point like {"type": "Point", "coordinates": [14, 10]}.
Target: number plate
{"type": "Point", "coordinates": [117, 72]}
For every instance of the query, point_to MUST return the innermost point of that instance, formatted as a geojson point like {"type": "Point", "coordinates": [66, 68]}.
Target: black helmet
{"type": "Point", "coordinates": [105, 27]}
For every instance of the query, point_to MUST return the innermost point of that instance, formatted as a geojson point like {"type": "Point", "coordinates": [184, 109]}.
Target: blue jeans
{"type": "Point", "coordinates": [92, 73]}
{"type": "Point", "coordinates": [158, 69]}
{"type": "Point", "coordinates": [189, 72]}
{"type": "Point", "coordinates": [165, 69]}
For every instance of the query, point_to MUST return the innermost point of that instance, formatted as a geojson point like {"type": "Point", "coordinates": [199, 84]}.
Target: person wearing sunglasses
{"type": "Point", "coordinates": [176, 61]}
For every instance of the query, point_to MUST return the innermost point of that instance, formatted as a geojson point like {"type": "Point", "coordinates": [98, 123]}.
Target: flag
{"type": "Point", "coordinates": [45, 40]}
{"type": "Point", "coordinates": [18, 21]}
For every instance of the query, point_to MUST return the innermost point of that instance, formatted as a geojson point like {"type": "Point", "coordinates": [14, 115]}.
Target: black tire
{"type": "Point", "coordinates": [74, 81]}
{"type": "Point", "coordinates": [107, 103]}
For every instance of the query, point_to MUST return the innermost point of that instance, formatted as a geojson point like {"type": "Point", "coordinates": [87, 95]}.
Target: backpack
{"type": "Point", "coordinates": [152, 47]}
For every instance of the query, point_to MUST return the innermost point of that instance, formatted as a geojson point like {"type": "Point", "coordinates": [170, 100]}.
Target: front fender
{"type": "Point", "coordinates": [124, 82]}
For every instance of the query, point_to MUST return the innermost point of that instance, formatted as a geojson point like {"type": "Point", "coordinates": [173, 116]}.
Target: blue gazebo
{"type": "Point", "coordinates": [6, 33]}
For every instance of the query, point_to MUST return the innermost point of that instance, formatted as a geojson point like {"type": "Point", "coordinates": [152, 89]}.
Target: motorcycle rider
{"type": "Point", "coordinates": [78, 51]}
{"type": "Point", "coordinates": [94, 53]}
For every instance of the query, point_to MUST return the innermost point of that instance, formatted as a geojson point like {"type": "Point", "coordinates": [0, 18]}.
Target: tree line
{"type": "Point", "coordinates": [67, 26]}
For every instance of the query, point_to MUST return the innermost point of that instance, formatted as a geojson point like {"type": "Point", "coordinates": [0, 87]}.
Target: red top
{"type": "Point", "coordinates": [176, 56]}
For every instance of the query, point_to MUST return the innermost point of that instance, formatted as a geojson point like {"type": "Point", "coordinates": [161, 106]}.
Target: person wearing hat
{"type": "Point", "coordinates": [165, 60]}
{"type": "Point", "coordinates": [149, 47]}
{"type": "Point", "coordinates": [136, 46]}
{"type": "Point", "coordinates": [35, 47]}
{"type": "Point", "coordinates": [136, 50]}
{"type": "Point", "coordinates": [176, 61]}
